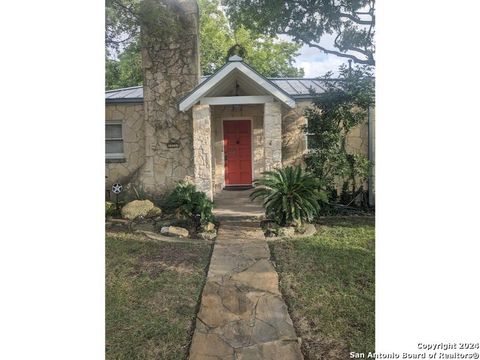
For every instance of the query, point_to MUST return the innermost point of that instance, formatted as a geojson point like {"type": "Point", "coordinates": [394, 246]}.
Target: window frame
{"type": "Point", "coordinates": [114, 155]}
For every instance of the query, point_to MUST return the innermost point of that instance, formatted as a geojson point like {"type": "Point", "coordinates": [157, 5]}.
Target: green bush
{"type": "Point", "coordinates": [110, 209]}
{"type": "Point", "coordinates": [188, 203]}
{"type": "Point", "coordinates": [290, 195]}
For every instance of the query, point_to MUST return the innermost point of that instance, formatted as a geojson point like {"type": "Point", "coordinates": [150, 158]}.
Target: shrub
{"type": "Point", "coordinates": [188, 203]}
{"type": "Point", "coordinates": [290, 195]}
{"type": "Point", "coordinates": [111, 209]}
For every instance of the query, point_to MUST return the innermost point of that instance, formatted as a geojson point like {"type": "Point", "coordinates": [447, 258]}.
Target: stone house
{"type": "Point", "coordinates": [222, 130]}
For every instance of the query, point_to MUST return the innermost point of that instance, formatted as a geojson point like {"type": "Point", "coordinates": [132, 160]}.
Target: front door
{"type": "Point", "coordinates": [237, 142]}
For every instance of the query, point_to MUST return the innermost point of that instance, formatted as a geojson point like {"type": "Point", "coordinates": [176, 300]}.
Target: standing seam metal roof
{"type": "Point", "coordinates": [297, 88]}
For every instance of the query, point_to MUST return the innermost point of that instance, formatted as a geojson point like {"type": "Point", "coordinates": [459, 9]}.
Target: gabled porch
{"type": "Point", "coordinates": [237, 127]}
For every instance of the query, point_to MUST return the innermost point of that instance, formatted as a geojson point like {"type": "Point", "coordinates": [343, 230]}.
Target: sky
{"type": "Point", "coordinates": [315, 62]}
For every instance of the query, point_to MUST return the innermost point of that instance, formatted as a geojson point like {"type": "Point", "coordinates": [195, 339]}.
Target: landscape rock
{"type": "Point", "coordinates": [155, 212]}
{"type": "Point", "coordinates": [287, 231]}
{"type": "Point", "coordinates": [137, 208]}
{"type": "Point", "coordinates": [209, 226]}
{"type": "Point", "coordinates": [174, 231]}
{"type": "Point", "coordinates": [207, 235]}
{"type": "Point", "coordinates": [307, 230]}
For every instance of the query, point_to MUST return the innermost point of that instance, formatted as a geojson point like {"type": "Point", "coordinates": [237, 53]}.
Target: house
{"type": "Point", "coordinates": [222, 130]}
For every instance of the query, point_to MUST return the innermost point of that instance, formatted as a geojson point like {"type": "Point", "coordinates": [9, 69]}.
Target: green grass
{"type": "Point", "coordinates": [152, 290]}
{"type": "Point", "coordinates": [328, 281]}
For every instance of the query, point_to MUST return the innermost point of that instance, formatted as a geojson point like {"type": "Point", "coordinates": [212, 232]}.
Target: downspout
{"type": "Point", "coordinates": [370, 159]}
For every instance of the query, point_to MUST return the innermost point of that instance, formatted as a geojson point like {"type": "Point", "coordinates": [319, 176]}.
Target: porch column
{"type": "Point", "coordinates": [202, 149]}
{"type": "Point", "coordinates": [272, 129]}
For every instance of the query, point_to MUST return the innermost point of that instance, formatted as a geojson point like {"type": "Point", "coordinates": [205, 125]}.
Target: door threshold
{"type": "Point", "coordinates": [237, 187]}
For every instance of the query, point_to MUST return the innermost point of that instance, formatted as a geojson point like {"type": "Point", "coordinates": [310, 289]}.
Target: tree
{"type": "Point", "coordinates": [352, 22]}
{"type": "Point", "coordinates": [270, 56]}
{"type": "Point", "coordinates": [127, 70]}
{"type": "Point", "coordinates": [343, 106]}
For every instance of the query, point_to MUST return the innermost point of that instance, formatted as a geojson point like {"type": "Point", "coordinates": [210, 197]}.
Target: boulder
{"type": "Point", "coordinates": [207, 235]}
{"type": "Point", "coordinates": [287, 231]}
{"type": "Point", "coordinates": [155, 212]}
{"type": "Point", "coordinates": [174, 231]}
{"type": "Point", "coordinates": [307, 230]}
{"type": "Point", "coordinates": [137, 208]}
{"type": "Point", "coordinates": [209, 226]}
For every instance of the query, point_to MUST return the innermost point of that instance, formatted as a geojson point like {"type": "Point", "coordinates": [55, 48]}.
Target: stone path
{"type": "Point", "coordinates": [242, 314]}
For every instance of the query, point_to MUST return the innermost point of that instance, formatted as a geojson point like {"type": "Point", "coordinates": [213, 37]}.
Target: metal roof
{"type": "Point", "coordinates": [298, 88]}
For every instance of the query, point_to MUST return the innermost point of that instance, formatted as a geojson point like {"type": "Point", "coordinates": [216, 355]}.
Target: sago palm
{"type": "Point", "coordinates": [290, 195]}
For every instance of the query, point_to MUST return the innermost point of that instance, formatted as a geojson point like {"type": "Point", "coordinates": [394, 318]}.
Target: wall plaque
{"type": "Point", "coordinates": [173, 144]}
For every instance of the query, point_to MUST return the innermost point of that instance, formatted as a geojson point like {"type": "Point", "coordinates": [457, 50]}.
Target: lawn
{"type": "Point", "coordinates": [152, 291]}
{"type": "Point", "coordinates": [328, 281]}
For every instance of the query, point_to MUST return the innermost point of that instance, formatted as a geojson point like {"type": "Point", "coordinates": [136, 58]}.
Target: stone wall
{"type": "Point", "coordinates": [294, 142]}
{"type": "Point", "coordinates": [171, 68]}
{"type": "Point", "coordinates": [131, 116]}
{"type": "Point", "coordinates": [202, 149]}
{"type": "Point", "coordinates": [272, 124]}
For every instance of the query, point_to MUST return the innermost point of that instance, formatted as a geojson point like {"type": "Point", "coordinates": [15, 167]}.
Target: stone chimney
{"type": "Point", "coordinates": [171, 68]}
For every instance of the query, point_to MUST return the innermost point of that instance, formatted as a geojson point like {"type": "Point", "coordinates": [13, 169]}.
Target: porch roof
{"type": "Point", "coordinates": [296, 88]}
{"type": "Point", "coordinates": [233, 75]}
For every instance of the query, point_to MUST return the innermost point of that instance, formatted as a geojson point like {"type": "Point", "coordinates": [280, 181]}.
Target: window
{"type": "Point", "coordinates": [114, 140]}
{"type": "Point", "coordinates": [312, 142]}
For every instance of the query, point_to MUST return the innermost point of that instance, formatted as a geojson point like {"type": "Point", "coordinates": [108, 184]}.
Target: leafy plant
{"type": "Point", "coordinates": [111, 209]}
{"type": "Point", "coordinates": [290, 195]}
{"type": "Point", "coordinates": [188, 203]}
{"type": "Point", "coordinates": [343, 106]}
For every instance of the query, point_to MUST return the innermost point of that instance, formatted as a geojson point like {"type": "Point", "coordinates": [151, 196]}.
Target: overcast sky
{"type": "Point", "coordinates": [315, 62]}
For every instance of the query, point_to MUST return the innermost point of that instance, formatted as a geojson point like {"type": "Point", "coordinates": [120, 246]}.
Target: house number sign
{"type": "Point", "coordinates": [173, 144]}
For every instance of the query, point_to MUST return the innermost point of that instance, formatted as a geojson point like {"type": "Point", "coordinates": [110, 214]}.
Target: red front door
{"type": "Point", "coordinates": [237, 142]}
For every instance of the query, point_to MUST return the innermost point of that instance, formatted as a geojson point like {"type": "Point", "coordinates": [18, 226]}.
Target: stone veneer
{"type": "Point", "coordinates": [202, 151]}
{"type": "Point", "coordinates": [171, 69]}
{"type": "Point", "coordinates": [272, 124]}
{"type": "Point", "coordinates": [131, 116]}
{"type": "Point", "coordinates": [293, 141]}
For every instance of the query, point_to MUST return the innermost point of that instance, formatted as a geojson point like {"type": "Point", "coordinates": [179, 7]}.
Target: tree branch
{"type": "Point", "coordinates": [356, 20]}
{"type": "Point", "coordinates": [369, 61]}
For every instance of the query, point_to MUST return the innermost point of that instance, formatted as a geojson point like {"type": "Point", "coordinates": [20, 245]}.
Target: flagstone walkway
{"type": "Point", "coordinates": [242, 314]}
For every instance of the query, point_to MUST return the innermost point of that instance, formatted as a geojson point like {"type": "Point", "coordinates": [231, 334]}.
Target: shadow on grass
{"type": "Point", "coordinates": [152, 294]}
{"type": "Point", "coordinates": [328, 281]}
{"type": "Point", "coordinates": [346, 221]}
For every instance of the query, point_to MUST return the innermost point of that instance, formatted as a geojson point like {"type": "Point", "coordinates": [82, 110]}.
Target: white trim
{"type": "Point", "coordinates": [236, 100]}
{"type": "Point", "coordinates": [115, 155]}
{"type": "Point", "coordinates": [206, 86]}
{"type": "Point", "coordinates": [246, 118]}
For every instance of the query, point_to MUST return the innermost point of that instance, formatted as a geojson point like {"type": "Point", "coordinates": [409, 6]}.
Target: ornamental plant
{"type": "Point", "coordinates": [343, 106]}
{"type": "Point", "coordinates": [290, 195]}
{"type": "Point", "coordinates": [188, 203]}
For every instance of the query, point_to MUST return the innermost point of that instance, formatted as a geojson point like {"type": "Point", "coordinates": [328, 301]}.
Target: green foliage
{"type": "Point", "coordinates": [111, 209]}
{"type": "Point", "coordinates": [219, 39]}
{"type": "Point", "coordinates": [290, 195]}
{"type": "Point", "coordinates": [188, 203]}
{"type": "Point", "coordinates": [343, 106]}
{"type": "Point", "coordinates": [126, 71]}
{"type": "Point", "coordinates": [123, 68]}
{"type": "Point", "coordinates": [352, 23]}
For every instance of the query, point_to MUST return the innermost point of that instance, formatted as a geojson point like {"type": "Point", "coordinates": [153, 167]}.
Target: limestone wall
{"type": "Point", "coordinates": [131, 116]}
{"type": "Point", "coordinates": [294, 143]}
{"type": "Point", "coordinates": [171, 68]}
{"type": "Point", "coordinates": [293, 138]}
